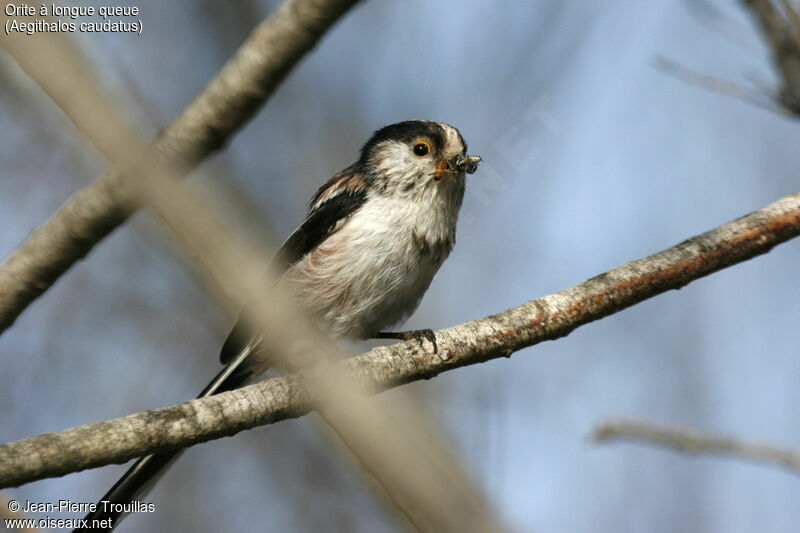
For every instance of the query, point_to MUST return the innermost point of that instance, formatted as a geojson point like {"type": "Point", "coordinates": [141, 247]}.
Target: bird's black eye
{"type": "Point", "coordinates": [421, 148]}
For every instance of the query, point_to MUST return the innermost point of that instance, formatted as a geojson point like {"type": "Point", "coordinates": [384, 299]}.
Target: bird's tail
{"type": "Point", "coordinates": [140, 478]}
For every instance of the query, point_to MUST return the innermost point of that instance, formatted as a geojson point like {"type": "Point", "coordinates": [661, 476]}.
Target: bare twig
{"type": "Point", "coordinates": [695, 442]}
{"type": "Point", "coordinates": [499, 335]}
{"type": "Point", "coordinates": [763, 98]}
{"type": "Point", "coordinates": [780, 32]}
{"type": "Point", "coordinates": [221, 109]}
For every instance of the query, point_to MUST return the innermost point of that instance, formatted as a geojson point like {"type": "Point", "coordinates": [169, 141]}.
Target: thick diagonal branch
{"type": "Point", "coordinates": [499, 335]}
{"type": "Point", "coordinates": [696, 442]}
{"type": "Point", "coordinates": [220, 110]}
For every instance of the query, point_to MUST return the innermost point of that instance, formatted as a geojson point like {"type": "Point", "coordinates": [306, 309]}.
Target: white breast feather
{"type": "Point", "coordinates": [372, 272]}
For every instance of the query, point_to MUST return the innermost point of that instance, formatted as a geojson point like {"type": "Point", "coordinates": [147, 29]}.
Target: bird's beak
{"type": "Point", "coordinates": [457, 165]}
{"type": "Point", "coordinates": [442, 166]}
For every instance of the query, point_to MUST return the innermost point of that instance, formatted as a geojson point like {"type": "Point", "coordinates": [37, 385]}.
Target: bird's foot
{"type": "Point", "coordinates": [416, 334]}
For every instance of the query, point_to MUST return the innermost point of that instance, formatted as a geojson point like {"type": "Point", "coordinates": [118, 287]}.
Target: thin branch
{"type": "Point", "coordinates": [764, 98]}
{"type": "Point", "coordinates": [696, 442]}
{"type": "Point", "coordinates": [499, 335]}
{"type": "Point", "coordinates": [229, 100]}
{"type": "Point", "coordinates": [781, 33]}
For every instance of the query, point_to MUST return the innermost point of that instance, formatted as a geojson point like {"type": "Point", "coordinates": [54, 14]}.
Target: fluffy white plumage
{"type": "Point", "coordinates": [372, 272]}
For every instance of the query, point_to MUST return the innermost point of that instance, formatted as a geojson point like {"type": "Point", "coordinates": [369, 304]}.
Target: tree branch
{"type": "Point", "coordinates": [761, 98]}
{"type": "Point", "coordinates": [696, 442]}
{"type": "Point", "coordinates": [229, 100]}
{"type": "Point", "coordinates": [782, 34]}
{"type": "Point", "coordinates": [499, 335]}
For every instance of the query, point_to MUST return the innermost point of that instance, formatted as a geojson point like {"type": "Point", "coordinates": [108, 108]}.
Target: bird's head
{"type": "Point", "coordinates": [417, 155]}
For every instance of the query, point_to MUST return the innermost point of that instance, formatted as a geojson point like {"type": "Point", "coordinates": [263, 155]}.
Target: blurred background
{"type": "Point", "coordinates": [593, 156]}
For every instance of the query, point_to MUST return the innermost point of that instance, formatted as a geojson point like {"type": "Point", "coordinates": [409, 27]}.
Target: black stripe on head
{"type": "Point", "coordinates": [405, 132]}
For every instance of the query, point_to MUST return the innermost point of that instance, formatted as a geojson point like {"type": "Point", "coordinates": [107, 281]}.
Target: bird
{"type": "Point", "coordinates": [374, 236]}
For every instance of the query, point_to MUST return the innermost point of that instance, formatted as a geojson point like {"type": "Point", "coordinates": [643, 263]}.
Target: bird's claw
{"type": "Point", "coordinates": [419, 334]}
{"type": "Point", "coordinates": [416, 334]}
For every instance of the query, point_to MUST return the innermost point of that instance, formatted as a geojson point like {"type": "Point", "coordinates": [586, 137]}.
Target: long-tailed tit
{"type": "Point", "coordinates": [374, 237]}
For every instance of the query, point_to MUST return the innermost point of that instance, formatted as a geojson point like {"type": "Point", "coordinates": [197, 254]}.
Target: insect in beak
{"type": "Point", "coordinates": [468, 164]}
{"type": "Point", "coordinates": [457, 165]}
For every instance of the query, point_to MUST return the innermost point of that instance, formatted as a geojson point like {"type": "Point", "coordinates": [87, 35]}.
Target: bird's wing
{"type": "Point", "coordinates": [334, 203]}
